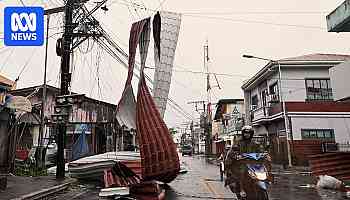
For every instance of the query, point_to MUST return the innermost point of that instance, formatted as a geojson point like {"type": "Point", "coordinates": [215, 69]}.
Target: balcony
{"type": "Point", "coordinates": [266, 112]}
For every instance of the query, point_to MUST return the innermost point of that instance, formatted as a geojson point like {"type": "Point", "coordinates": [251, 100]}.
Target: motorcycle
{"type": "Point", "coordinates": [257, 177]}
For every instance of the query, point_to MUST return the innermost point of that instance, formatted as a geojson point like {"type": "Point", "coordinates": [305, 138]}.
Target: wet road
{"type": "Point", "coordinates": [202, 182]}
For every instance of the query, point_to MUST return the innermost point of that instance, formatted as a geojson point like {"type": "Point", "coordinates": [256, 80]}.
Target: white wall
{"type": "Point", "coordinates": [293, 82]}
{"type": "Point", "coordinates": [295, 90]}
{"type": "Point", "coordinates": [341, 126]}
{"type": "Point", "coordinates": [340, 80]}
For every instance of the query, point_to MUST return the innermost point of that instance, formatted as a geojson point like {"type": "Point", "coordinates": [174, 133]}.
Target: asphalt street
{"type": "Point", "coordinates": [202, 181]}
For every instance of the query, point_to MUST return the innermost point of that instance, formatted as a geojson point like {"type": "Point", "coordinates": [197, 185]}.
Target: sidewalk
{"type": "Point", "coordinates": [33, 187]}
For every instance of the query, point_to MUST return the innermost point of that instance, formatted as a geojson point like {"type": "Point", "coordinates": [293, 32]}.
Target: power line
{"type": "Point", "coordinates": [7, 59]}
{"type": "Point", "coordinates": [201, 72]}
{"type": "Point", "coordinates": [255, 22]}
{"type": "Point", "coordinates": [25, 65]}
{"type": "Point", "coordinates": [173, 104]}
{"type": "Point", "coordinates": [257, 13]}
{"type": "Point", "coordinates": [161, 4]}
{"type": "Point", "coordinates": [21, 1]}
{"type": "Point", "coordinates": [196, 15]}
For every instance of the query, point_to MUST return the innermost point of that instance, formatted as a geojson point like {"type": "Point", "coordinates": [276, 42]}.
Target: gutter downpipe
{"type": "Point", "coordinates": [285, 116]}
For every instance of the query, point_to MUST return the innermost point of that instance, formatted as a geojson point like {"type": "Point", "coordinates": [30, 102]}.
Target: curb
{"type": "Point", "coordinates": [46, 192]}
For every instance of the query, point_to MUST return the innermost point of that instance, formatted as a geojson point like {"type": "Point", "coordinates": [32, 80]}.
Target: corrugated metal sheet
{"type": "Point", "coordinates": [332, 164]}
{"type": "Point", "coordinates": [159, 157]}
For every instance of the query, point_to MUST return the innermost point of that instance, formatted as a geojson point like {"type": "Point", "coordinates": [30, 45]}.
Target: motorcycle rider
{"type": "Point", "coordinates": [233, 168]}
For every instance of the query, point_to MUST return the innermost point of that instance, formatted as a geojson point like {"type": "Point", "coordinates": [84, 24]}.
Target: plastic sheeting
{"type": "Point", "coordinates": [166, 27]}
{"type": "Point", "coordinates": [81, 147]}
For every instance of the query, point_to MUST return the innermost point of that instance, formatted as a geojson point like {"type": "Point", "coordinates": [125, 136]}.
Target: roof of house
{"type": "Point", "coordinates": [316, 58]}
{"type": "Point", "coordinates": [29, 90]}
{"type": "Point", "coordinates": [7, 82]}
{"type": "Point", "coordinates": [220, 104]}
{"type": "Point", "coordinates": [228, 101]}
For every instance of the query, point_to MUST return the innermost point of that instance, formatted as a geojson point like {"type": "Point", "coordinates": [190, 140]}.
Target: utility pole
{"type": "Point", "coordinates": [40, 155]}
{"type": "Point", "coordinates": [208, 144]}
{"type": "Point", "coordinates": [65, 82]}
{"type": "Point", "coordinates": [64, 102]}
{"type": "Point", "coordinates": [203, 121]}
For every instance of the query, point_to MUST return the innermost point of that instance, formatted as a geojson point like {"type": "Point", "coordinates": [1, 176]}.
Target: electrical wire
{"type": "Point", "coordinates": [119, 60]}
{"type": "Point", "coordinates": [195, 15]}
{"type": "Point", "coordinates": [255, 22]}
{"type": "Point", "coordinates": [161, 4]}
{"type": "Point", "coordinates": [205, 73]}
{"type": "Point", "coordinates": [26, 64]}
{"type": "Point", "coordinates": [7, 59]}
{"type": "Point", "coordinates": [21, 1]}
{"type": "Point", "coordinates": [257, 13]}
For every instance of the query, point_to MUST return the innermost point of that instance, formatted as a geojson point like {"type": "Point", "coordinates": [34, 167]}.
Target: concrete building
{"type": "Point", "coordinates": [312, 114]}
{"type": "Point", "coordinates": [228, 121]}
{"type": "Point", "coordinates": [339, 19]}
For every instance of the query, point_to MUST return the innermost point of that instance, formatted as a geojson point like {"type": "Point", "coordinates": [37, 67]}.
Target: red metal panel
{"type": "Point", "coordinates": [332, 164]}
{"type": "Point", "coordinates": [159, 156]}
{"type": "Point", "coordinates": [318, 106]}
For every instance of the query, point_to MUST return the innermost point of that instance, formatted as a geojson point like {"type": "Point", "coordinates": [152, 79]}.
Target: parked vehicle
{"type": "Point", "coordinates": [186, 150]}
{"type": "Point", "coordinates": [258, 177]}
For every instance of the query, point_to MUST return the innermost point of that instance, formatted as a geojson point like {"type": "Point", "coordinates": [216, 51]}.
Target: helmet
{"type": "Point", "coordinates": [247, 132]}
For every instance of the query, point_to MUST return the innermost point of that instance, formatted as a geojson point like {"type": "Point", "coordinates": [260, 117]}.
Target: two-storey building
{"type": "Point", "coordinates": [303, 89]}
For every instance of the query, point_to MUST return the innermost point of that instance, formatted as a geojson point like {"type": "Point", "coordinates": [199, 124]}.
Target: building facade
{"type": "Point", "coordinates": [93, 117]}
{"type": "Point", "coordinates": [228, 122]}
{"type": "Point", "coordinates": [302, 89]}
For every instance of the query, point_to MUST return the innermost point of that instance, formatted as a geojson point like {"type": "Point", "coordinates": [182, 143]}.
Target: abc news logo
{"type": "Point", "coordinates": [24, 26]}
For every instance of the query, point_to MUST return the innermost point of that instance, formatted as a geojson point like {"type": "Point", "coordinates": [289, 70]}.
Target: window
{"type": "Point", "coordinates": [264, 97]}
{"type": "Point", "coordinates": [318, 134]}
{"type": "Point", "coordinates": [274, 89]}
{"type": "Point", "coordinates": [318, 89]}
{"type": "Point", "coordinates": [255, 102]}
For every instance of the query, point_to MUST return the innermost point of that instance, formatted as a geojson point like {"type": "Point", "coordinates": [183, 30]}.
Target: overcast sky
{"type": "Point", "coordinates": [272, 29]}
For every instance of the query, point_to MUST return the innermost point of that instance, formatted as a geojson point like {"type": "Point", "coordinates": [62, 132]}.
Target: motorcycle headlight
{"type": "Point", "coordinates": [261, 176]}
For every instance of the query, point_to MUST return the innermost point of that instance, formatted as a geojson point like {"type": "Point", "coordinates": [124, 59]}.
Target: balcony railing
{"type": "Point", "coordinates": [266, 111]}
{"type": "Point", "coordinates": [259, 113]}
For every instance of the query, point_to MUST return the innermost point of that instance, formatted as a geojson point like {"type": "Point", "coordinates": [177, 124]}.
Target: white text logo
{"type": "Point", "coordinates": [17, 22]}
